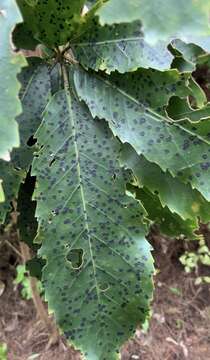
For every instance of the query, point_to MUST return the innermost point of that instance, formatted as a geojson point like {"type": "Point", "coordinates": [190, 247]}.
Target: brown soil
{"type": "Point", "coordinates": [179, 329]}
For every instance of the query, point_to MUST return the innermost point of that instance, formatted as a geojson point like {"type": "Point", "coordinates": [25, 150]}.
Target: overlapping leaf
{"type": "Point", "coordinates": [2, 197]}
{"type": "Point", "coordinates": [34, 95]}
{"type": "Point", "coordinates": [161, 20]}
{"type": "Point", "coordinates": [98, 272]}
{"type": "Point", "coordinates": [169, 223]}
{"type": "Point", "coordinates": [119, 47]}
{"type": "Point", "coordinates": [11, 182]}
{"type": "Point", "coordinates": [189, 206]}
{"type": "Point", "coordinates": [10, 66]}
{"type": "Point", "coordinates": [52, 22]}
{"type": "Point", "coordinates": [133, 116]}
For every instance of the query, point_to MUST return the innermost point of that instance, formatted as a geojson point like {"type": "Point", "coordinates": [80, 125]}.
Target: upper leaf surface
{"type": "Point", "coordinates": [134, 116]}
{"type": "Point", "coordinates": [120, 47]}
{"type": "Point", "coordinates": [161, 20]}
{"type": "Point", "coordinates": [10, 65]}
{"type": "Point", "coordinates": [52, 22]}
{"type": "Point", "coordinates": [97, 277]}
{"type": "Point", "coordinates": [34, 95]}
{"type": "Point", "coordinates": [190, 205]}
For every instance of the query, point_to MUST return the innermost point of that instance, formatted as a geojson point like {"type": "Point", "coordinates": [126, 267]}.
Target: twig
{"type": "Point", "coordinates": [13, 248]}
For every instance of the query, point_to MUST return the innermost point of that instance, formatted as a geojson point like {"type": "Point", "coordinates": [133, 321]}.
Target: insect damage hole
{"type": "Point", "coordinates": [75, 258]}
{"type": "Point", "coordinates": [31, 141]}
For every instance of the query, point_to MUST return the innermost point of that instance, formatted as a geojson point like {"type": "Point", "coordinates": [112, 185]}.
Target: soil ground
{"type": "Point", "coordinates": [179, 328]}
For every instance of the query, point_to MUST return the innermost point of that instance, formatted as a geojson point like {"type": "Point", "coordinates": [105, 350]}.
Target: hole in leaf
{"type": "Point", "coordinates": [51, 162]}
{"type": "Point", "coordinates": [31, 141]}
{"type": "Point", "coordinates": [104, 287]}
{"type": "Point", "coordinates": [75, 257]}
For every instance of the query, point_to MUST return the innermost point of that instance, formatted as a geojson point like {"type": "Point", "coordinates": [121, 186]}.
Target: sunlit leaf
{"type": "Point", "coordinates": [10, 66]}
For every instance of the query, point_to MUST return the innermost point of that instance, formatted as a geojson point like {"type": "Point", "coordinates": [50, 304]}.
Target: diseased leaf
{"type": "Point", "coordinates": [190, 205]}
{"type": "Point", "coordinates": [23, 37]}
{"type": "Point", "coordinates": [133, 116]}
{"type": "Point", "coordinates": [34, 95]}
{"type": "Point", "coordinates": [119, 47]}
{"type": "Point", "coordinates": [10, 66]}
{"type": "Point", "coordinates": [11, 182]}
{"type": "Point", "coordinates": [52, 22]}
{"type": "Point", "coordinates": [161, 20]}
{"type": "Point", "coordinates": [98, 272]}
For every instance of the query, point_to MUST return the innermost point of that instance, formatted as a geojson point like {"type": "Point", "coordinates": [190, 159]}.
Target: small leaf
{"type": "Point", "coordinates": [11, 182]}
{"type": "Point", "coordinates": [2, 198]}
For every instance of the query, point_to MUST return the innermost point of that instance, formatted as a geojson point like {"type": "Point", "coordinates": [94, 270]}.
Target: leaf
{"type": "Point", "coordinates": [179, 109]}
{"type": "Point", "coordinates": [100, 298]}
{"type": "Point", "coordinates": [189, 21]}
{"type": "Point", "coordinates": [11, 182]}
{"type": "Point", "coordinates": [119, 47]}
{"type": "Point", "coordinates": [23, 37]}
{"type": "Point", "coordinates": [189, 206]}
{"type": "Point", "coordinates": [2, 198]}
{"type": "Point", "coordinates": [134, 117]}
{"type": "Point", "coordinates": [198, 93]}
{"type": "Point", "coordinates": [34, 95]}
{"type": "Point", "coordinates": [190, 52]}
{"type": "Point", "coordinates": [169, 223]}
{"type": "Point", "coordinates": [52, 22]}
{"type": "Point", "coordinates": [10, 66]}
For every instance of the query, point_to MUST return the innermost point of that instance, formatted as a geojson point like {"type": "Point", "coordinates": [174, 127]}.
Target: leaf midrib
{"type": "Point", "coordinates": [82, 192]}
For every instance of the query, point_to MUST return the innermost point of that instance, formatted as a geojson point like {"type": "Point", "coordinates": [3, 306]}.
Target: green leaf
{"type": "Point", "coordinates": [119, 47]}
{"type": "Point", "coordinates": [23, 37]}
{"type": "Point", "coordinates": [169, 223]}
{"type": "Point", "coordinates": [161, 20]}
{"type": "Point", "coordinates": [190, 52]}
{"type": "Point", "coordinates": [2, 197]}
{"type": "Point", "coordinates": [134, 116]}
{"type": "Point", "coordinates": [52, 23]}
{"type": "Point", "coordinates": [100, 297]}
{"type": "Point", "coordinates": [190, 205]}
{"type": "Point", "coordinates": [10, 66]}
{"type": "Point", "coordinates": [11, 182]}
{"type": "Point", "coordinates": [179, 109]}
{"type": "Point", "coordinates": [34, 95]}
{"type": "Point", "coordinates": [198, 93]}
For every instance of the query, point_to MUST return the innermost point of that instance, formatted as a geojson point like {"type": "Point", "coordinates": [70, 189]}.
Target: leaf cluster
{"type": "Point", "coordinates": [104, 131]}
